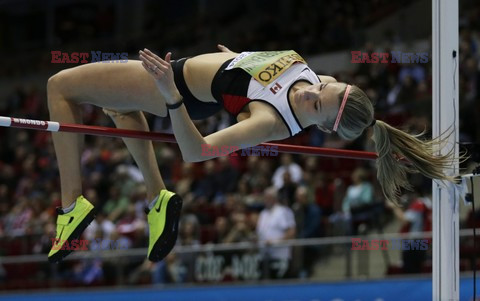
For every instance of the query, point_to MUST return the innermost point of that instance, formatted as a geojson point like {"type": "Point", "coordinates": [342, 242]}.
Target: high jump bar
{"type": "Point", "coordinates": [53, 126]}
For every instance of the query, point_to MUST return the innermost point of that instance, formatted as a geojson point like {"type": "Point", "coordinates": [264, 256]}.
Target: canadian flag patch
{"type": "Point", "coordinates": [275, 88]}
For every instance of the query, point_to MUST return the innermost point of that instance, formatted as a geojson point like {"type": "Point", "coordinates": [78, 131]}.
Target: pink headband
{"type": "Point", "coordinates": [342, 106]}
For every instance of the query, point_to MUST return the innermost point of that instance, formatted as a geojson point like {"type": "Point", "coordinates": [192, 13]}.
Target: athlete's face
{"type": "Point", "coordinates": [320, 102]}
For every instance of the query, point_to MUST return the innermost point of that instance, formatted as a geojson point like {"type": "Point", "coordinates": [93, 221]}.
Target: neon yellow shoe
{"type": "Point", "coordinates": [69, 227]}
{"type": "Point", "coordinates": [163, 224]}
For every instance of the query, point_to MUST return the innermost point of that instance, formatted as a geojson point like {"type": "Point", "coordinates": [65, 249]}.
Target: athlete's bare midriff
{"type": "Point", "coordinates": [200, 70]}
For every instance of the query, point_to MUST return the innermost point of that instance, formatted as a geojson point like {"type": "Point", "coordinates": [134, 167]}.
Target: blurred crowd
{"type": "Point", "coordinates": [190, 27]}
{"type": "Point", "coordinates": [234, 198]}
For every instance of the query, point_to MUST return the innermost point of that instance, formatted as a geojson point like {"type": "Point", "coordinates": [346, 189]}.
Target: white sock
{"type": "Point", "coordinates": [69, 208]}
{"type": "Point", "coordinates": [152, 203]}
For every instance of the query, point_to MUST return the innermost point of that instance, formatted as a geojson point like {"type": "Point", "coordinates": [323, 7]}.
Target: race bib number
{"type": "Point", "coordinates": [266, 66]}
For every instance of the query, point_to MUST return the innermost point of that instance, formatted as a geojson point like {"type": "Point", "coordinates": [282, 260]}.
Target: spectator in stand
{"type": "Point", "coordinates": [226, 178]}
{"type": "Point", "coordinates": [206, 187]}
{"type": "Point", "coordinates": [189, 231]}
{"type": "Point", "coordinates": [416, 218]}
{"type": "Point", "coordinates": [189, 235]}
{"type": "Point", "coordinates": [255, 179]}
{"type": "Point", "coordinates": [100, 223]}
{"type": "Point", "coordinates": [116, 205]}
{"type": "Point", "coordinates": [17, 219]}
{"type": "Point", "coordinates": [307, 214]}
{"type": "Point", "coordinates": [359, 193]}
{"type": "Point", "coordinates": [252, 221]}
{"type": "Point", "coordinates": [221, 229]}
{"type": "Point", "coordinates": [355, 206]}
{"type": "Point", "coordinates": [44, 243]}
{"type": "Point", "coordinates": [187, 183]}
{"type": "Point", "coordinates": [287, 164]}
{"type": "Point", "coordinates": [240, 230]}
{"type": "Point", "coordinates": [87, 271]}
{"type": "Point", "coordinates": [130, 226]}
{"type": "Point", "coordinates": [286, 194]}
{"type": "Point", "coordinates": [324, 193]}
{"type": "Point", "coordinates": [275, 224]}
{"type": "Point", "coordinates": [308, 217]}
{"type": "Point", "coordinates": [170, 270]}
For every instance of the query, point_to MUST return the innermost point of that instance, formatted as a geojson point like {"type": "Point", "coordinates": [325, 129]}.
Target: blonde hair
{"type": "Point", "coordinates": [392, 144]}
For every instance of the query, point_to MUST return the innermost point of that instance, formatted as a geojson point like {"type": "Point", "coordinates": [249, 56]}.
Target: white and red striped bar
{"type": "Point", "coordinates": [53, 126]}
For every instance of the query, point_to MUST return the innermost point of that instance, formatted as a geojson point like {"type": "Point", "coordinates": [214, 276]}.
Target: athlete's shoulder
{"type": "Point", "coordinates": [326, 78]}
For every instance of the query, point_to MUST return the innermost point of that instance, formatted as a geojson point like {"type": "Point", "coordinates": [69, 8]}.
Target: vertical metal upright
{"type": "Point", "coordinates": [445, 116]}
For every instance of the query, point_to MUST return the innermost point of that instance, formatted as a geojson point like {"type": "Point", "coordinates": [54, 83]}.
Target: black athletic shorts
{"type": "Point", "coordinates": [196, 108]}
{"type": "Point", "coordinates": [233, 82]}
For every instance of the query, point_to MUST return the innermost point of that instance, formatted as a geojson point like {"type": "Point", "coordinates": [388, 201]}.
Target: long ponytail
{"type": "Point", "coordinates": [392, 144]}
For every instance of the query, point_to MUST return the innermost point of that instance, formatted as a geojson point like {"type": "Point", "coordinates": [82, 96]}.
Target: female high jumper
{"type": "Point", "coordinates": [273, 95]}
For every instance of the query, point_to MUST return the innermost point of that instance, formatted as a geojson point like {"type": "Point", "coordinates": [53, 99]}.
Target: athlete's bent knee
{"type": "Point", "coordinates": [54, 94]}
{"type": "Point", "coordinates": [53, 83]}
{"type": "Point", "coordinates": [58, 84]}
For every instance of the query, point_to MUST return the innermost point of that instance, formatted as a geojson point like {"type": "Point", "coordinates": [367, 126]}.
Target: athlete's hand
{"type": "Point", "coordinates": [161, 70]}
{"type": "Point", "coordinates": [223, 48]}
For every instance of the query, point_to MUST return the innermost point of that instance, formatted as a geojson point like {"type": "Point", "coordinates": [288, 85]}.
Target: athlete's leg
{"type": "Point", "coordinates": [115, 86]}
{"type": "Point", "coordinates": [141, 150]}
{"type": "Point", "coordinates": [122, 87]}
{"type": "Point", "coordinates": [67, 145]}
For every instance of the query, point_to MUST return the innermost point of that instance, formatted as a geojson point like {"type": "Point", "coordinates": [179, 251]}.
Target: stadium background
{"type": "Point", "coordinates": [224, 197]}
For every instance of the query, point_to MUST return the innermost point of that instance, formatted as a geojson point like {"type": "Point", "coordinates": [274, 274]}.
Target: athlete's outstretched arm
{"type": "Point", "coordinates": [252, 131]}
